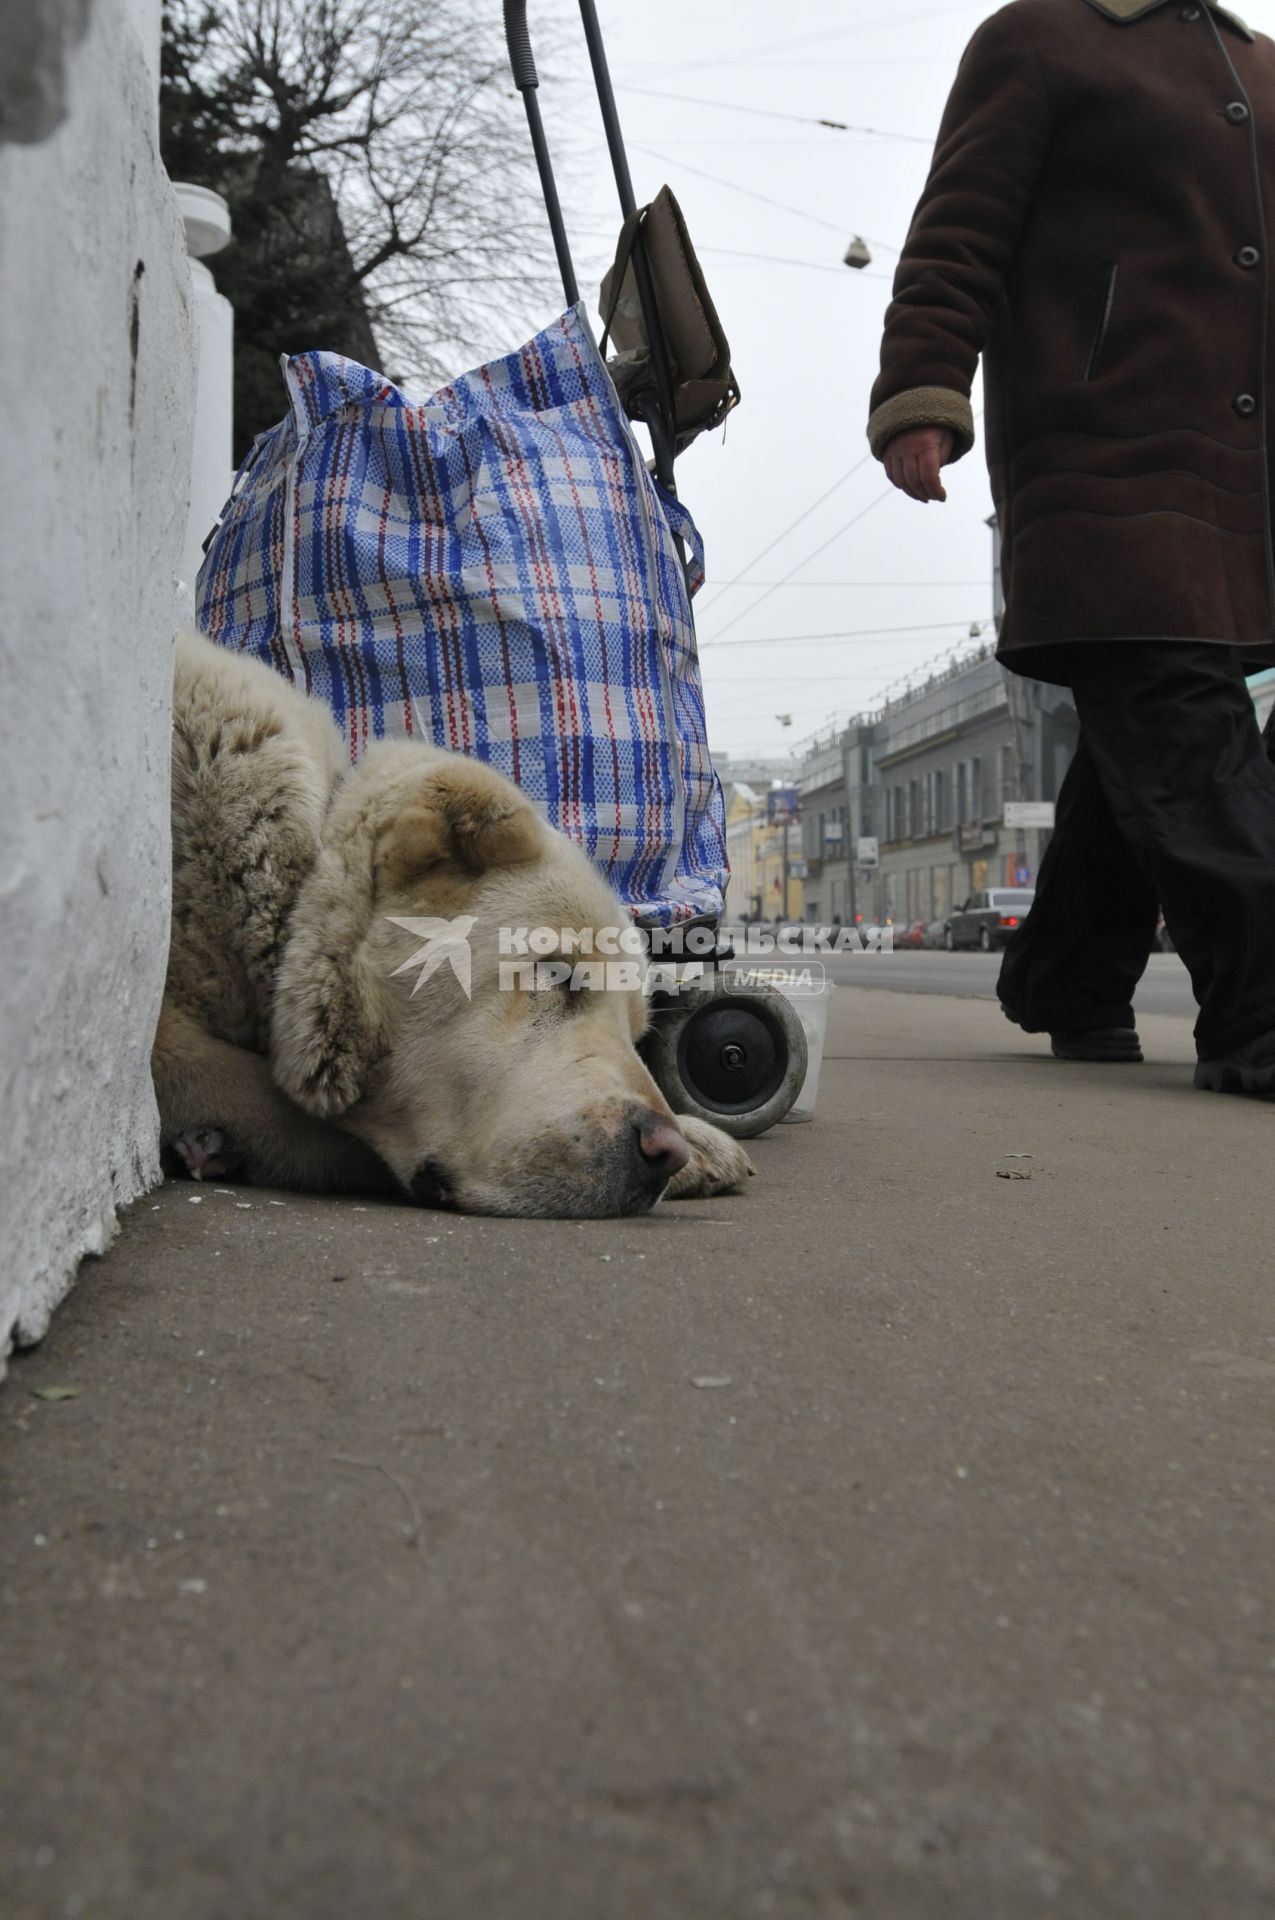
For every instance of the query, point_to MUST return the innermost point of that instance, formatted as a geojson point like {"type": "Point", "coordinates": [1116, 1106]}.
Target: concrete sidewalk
{"type": "Point", "coordinates": [893, 1540]}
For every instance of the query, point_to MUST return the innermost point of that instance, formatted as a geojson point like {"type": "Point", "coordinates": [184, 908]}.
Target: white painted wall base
{"type": "Point", "coordinates": [96, 386]}
{"type": "Point", "coordinates": [212, 472]}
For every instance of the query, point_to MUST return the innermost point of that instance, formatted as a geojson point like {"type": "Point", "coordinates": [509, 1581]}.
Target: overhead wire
{"type": "Point", "coordinates": [716, 639]}
{"type": "Point", "coordinates": [792, 526]}
{"type": "Point", "coordinates": [735, 618]}
{"type": "Point", "coordinates": [758, 696]}
{"type": "Point", "coordinates": [852, 584]}
{"type": "Point", "coordinates": [750, 193]}
{"type": "Point", "coordinates": [837, 717]}
{"type": "Point", "coordinates": [772, 113]}
{"type": "Point", "coordinates": [822, 35]}
{"type": "Point", "coordinates": [780, 260]}
{"type": "Point", "coordinates": [825, 678]}
{"type": "Point", "coordinates": [792, 66]}
{"type": "Point", "coordinates": [764, 259]}
{"type": "Point", "coordinates": [749, 141]}
{"type": "Point", "coordinates": [854, 633]}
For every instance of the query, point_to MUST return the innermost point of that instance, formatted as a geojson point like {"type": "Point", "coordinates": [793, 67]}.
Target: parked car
{"type": "Point", "coordinates": [935, 935]}
{"type": "Point", "coordinates": [1163, 941]}
{"type": "Point", "coordinates": [910, 937]}
{"type": "Point", "coordinates": [989, 918]}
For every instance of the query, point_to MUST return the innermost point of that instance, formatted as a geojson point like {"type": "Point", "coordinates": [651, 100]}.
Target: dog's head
{"type": "Point", "coordinates": [483, 1081]}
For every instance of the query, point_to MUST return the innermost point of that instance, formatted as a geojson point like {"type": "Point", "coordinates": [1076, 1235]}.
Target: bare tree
{"type": "Point", "coordinates": [377, 164]}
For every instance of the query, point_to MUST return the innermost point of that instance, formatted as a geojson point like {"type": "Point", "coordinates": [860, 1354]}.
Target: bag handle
{"type": "Point", "coordinates": [522, 64]}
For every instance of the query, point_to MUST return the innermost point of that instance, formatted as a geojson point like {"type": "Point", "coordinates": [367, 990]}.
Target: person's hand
{"type": "Point", "coordinates": [912, 462]}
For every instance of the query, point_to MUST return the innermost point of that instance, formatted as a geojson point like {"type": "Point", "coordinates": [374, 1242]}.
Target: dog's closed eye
{"type": "Point", "coordinates": [557, 992]}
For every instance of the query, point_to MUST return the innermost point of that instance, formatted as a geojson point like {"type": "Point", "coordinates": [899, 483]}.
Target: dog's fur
{"type": "Point", "coordinates": [289, 1049]}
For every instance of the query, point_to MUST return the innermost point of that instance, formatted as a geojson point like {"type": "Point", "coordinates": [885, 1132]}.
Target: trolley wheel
{"type": "Point", "coordinates": [735, 1056]}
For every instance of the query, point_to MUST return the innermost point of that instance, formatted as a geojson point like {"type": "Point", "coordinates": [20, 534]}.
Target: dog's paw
{"type": "Point", "coordinates": [717, 1164]}
{"type": "Point", "coordinates": [205, 1153]}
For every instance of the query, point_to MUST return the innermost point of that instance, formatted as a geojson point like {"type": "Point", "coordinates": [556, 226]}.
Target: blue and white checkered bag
{"type": "Point", "coordinates": [492, 569]}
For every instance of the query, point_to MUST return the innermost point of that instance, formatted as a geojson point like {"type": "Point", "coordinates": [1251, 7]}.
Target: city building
{"type": "Point", "coordinates": [745, 817]}
{"type": "Point", "coordinates": [949, 756]}
{"type": "Point", "coordinates": [903, 810]}
{"type": "Point", "coordinates": [825, 835]}
{"type": "Point", "coordinates": [779, 858]}
{"type": "Point", "coordinates": [760, 844]}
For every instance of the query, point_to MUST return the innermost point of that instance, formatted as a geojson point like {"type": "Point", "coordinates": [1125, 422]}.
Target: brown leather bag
{"type": "Point", "coordinates": [704, 384]}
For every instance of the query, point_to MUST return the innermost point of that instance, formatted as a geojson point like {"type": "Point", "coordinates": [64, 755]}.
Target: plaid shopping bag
{"type": "Point", "coordinates": [492, 569]}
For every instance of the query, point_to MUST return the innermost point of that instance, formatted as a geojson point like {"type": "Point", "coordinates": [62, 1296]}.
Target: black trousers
{"type": "Point", "coordinates": [1170, 801]}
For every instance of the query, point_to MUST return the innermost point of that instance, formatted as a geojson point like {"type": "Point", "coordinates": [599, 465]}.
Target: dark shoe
{"type": "Point", "coordinates": [1097, 1043]}
{"type": "Point", "coordinates": [1248, 1069]}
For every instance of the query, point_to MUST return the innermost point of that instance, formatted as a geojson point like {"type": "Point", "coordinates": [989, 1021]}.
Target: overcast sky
{"type": "Point", "coordinates": [902, 581]}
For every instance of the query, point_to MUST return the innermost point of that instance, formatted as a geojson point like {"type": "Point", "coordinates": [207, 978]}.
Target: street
{"type": "Point", "coordinates": [893, 1540]}
{"type": "Point", "coordinates": [1165, 987]}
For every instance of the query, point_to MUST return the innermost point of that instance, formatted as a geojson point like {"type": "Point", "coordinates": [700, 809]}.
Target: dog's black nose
{"type": "Point", "coordinates": [662, 1150]}
{"type": "Point", "coordinates": [431, 1185]}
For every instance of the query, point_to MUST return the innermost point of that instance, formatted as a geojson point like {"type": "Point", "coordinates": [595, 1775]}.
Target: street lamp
{"type": "Point", "coordinates": [857, 254]}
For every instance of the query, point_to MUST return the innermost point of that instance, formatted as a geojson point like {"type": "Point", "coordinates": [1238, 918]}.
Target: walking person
{"type": "Point", "coordinates": [1098, 224]}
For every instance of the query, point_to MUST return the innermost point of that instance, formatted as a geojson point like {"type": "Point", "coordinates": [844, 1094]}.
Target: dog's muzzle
{"type": "Point", "coordinates": [431, 1185]}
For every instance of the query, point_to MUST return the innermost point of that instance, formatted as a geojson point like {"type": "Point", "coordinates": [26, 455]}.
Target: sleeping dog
{"type": "Point", "coordinates": [302, 1045]}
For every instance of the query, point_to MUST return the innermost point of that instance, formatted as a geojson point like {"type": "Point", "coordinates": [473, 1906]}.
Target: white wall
{"type": "Point", "coordinates": [207, 222]}
{"type": "Point", "coordinates": [96, 383]}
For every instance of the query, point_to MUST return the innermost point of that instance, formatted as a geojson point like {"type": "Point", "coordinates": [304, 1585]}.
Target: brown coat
{"type": "Point", "coordinates": [1098, 224]}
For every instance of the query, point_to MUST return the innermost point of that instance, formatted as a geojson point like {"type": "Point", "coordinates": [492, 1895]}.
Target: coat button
{"type": "Point", "coordinates": [1189, 14]}
{"type": "Point", "coordinates": [1237, 113]}
{"type": "Point", "coordinates": [1247, 257]}
{"type": "Point", "coordinates": [1245, 405]}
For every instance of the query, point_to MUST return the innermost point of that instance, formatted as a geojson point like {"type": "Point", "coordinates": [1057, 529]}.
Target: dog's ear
{"type": "Point", "coordinates": [390, 824]}
{"type": "Point", "coordinates": [330, 1023]}
{"type": "Point", "coordinates": [463, 813]}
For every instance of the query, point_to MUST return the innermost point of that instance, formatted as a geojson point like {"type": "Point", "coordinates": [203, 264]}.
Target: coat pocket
{"type": "Point", "coordinates": [1099, 340]}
